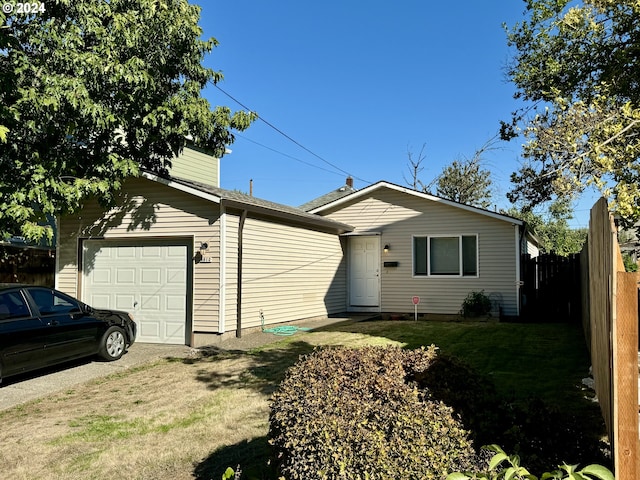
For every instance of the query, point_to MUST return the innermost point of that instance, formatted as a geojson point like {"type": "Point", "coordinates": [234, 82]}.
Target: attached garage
{"type": "Point", "coordinates": [193, 262]}
{"type": "Point", "coordinates": [148, 278]}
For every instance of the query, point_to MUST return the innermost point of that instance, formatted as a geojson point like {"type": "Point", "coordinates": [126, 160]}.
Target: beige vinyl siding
{"type": "Point", "coordinates": [532, 249]}
{"type": "Point", "coordinates": [289, 273]}
{"type": "Point", "coordinates": [399, 217]}
{"type": "Point", "coordinates": [146, 210]}
{"type": "Point", "coordinates": [197, 166]}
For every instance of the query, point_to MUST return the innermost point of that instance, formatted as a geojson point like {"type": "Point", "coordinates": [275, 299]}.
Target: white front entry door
{"type": "Point", "coordinates": [364, 271]}
{"type": "Point", "coordinates": [147, 279]}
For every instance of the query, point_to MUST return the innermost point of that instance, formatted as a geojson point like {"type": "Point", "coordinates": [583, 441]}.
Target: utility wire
{"type": "Point", "coordinates": [270, 125]}
{"type": "Point", "coordinates": [285, 154]}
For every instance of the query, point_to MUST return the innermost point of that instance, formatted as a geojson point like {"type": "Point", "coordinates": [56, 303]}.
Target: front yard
{"type": "Point", "coordinates": [185, 419]}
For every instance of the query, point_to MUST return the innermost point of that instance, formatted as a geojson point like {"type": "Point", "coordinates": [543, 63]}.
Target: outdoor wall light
{"type": "Point", "coordinates": [204, 246]}
{"type": "Point", "coordinates": [386, 248]}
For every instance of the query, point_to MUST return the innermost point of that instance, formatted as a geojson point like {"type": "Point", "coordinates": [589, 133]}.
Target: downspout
{"type": "Point", "coordinates": [518, 279]}
{"type": "Point", "coordinates": [222, 302]}
{"type": "Point", "coordinates": [243, 217]}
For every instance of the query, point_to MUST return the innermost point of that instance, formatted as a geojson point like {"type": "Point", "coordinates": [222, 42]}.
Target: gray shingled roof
{"type": "Point", "coordinates": [235, 199]}
{"type": "Point", "coordinates": [327, 198]}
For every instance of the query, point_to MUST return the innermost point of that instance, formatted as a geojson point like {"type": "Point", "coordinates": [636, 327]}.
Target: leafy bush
{"type": "Point", "coordinates": [472, 396]}
{"type": "Point", "coordinates": [629, 264]}
{"type": "Point", "coordinates": [357, 413]}
{"type": "Point", "coordinates": [514, 471]}
{"type": "Point", "coordinates": [475, 304]}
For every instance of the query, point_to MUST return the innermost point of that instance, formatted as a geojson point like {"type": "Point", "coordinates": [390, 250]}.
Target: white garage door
{"type": "Point", "coordinates": [147, 279]}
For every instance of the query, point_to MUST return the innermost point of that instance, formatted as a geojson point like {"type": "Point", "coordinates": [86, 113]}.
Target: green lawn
{"type": "Point", "coordinates": [180, 419]}
{"type": "Point", "coordinates": [524, 360]}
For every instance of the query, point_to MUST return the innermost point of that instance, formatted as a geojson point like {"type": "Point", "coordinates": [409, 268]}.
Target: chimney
{"type": "Point", "coordinates": [350, 181]}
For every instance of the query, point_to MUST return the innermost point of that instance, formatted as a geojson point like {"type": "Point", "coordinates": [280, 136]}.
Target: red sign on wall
{"type": "Point", "coordinates": [416, 300]}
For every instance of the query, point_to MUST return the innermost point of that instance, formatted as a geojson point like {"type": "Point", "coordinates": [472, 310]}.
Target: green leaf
{"type": "Point", "coordinates": [497, 459]}
{"type": "Point", "coordinates": [458, 476]}
{"type": "Point", "coordinates": [598, 471]}
{"type": "Point", "coordinates": [509, 473]}
{"type": "Point", "coordinates": [228, 474]}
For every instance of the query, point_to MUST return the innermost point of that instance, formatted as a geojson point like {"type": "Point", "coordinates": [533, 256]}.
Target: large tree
{"type": "Point", "coordinates": [577, 66]}
{"type": "Point", "coordinates": [552, 228]}
{"type": "Point", "coordinates": [93, 91]}
{"type": "Point", "coordinates": [464, 180]}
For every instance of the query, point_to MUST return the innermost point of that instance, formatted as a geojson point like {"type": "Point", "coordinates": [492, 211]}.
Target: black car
{"type": "Point", "coordinates": [41, 326]}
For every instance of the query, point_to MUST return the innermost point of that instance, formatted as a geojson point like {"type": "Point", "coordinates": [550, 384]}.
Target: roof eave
{"type": "Point", "coordinates": [182, 187]}
{"type": "Point", "coordinates": [319, 222]}
{"type": "Point", "coordinates": [392, 186]}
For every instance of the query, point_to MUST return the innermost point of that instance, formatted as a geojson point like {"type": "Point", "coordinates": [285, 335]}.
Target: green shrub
{"type": "Point", "coordinates": [357, 413]}
{"type": "Point", "coordinates": [476, 304]}
{"type": "Point", "coordinates": [471, 395]}
{"type": "Point", "coordinates": [507, 467]}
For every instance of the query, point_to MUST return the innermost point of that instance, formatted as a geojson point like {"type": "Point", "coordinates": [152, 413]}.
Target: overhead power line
{"type": "Point", "coordinates": [270, 125]}
{"type": "Point", "coordinates": [285, 154]}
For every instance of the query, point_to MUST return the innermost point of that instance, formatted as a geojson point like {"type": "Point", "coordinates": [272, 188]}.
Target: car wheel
{"type": "Point", "coordinates": [113, 344]}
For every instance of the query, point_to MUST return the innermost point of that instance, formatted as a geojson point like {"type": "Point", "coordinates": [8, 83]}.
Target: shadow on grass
{"type": "Point", "coordinates": [265, 368]}
{"type": "Point", "coordinates": [252, 457]}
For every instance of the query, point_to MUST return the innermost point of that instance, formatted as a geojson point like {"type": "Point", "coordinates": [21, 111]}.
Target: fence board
{"type": "Point", "coordinates": [601, 261]}
{"type": "Point", "coordinates": [625, 377]}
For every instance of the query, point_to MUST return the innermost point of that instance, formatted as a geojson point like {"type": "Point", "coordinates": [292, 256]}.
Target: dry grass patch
{"type": "Point", "coordinates": [154, 422]}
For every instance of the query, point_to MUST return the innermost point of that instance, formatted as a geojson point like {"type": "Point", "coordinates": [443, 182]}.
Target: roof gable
{"type": "Point", "coordinates": [363, 193]}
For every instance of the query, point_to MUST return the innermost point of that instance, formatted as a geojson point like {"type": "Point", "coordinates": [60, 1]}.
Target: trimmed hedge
{"type": "Point", "coordinates": [357, 413]}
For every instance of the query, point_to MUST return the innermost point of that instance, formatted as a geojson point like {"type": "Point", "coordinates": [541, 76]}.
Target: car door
{"type": "Point", "coordinates": [22, 335]}
{"type": "Point", "coordinates": [73, 333]}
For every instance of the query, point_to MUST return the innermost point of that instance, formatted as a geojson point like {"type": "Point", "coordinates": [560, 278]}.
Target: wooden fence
{"type": "Point", "coordinates": [610, 319]}
{"type": "Point", "coordinates": [27, 265]}
{"type": "Point", "coordinates": [551, 288]}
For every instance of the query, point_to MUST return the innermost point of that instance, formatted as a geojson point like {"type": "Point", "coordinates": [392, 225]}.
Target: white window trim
{"type": "Point", "coordinates": [440, 235]}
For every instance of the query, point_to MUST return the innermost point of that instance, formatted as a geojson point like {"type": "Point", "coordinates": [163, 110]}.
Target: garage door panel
{"type": "Point", "coordinates": [148, 280]}
{"type": "Point", "coordinates": [151, 276]}
{"type": "Point", "coordinates": [124, 301]}
{"type": "Point", "coordinates": [126, 276]}
{"type": "Point", "coordinates": [122, 252]}
{"type": "Point", "coordinates": [176, 276]}
{"type": "Point", "coordinates": [175, 303]}
{"type": "Point", "coordinates": [150, 329]}
{"type": "Point", "coordinates": [101, 276]}
{"type": "Point", "coordinates": [151, 252]}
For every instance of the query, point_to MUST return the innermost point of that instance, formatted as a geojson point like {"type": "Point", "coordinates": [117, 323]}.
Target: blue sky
{"type": "Point", "coordinates": [358, 84]}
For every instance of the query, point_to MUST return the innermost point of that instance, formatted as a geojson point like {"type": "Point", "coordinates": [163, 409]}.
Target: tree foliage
{"type": "Point", "coordinates": [92, 92]}
{"type": "Point", "coordinates": [463, 180]}
{"type": "Point", "coordinates": [577, 65]}
{"type": "Point", "coordinates": [552, 228]}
